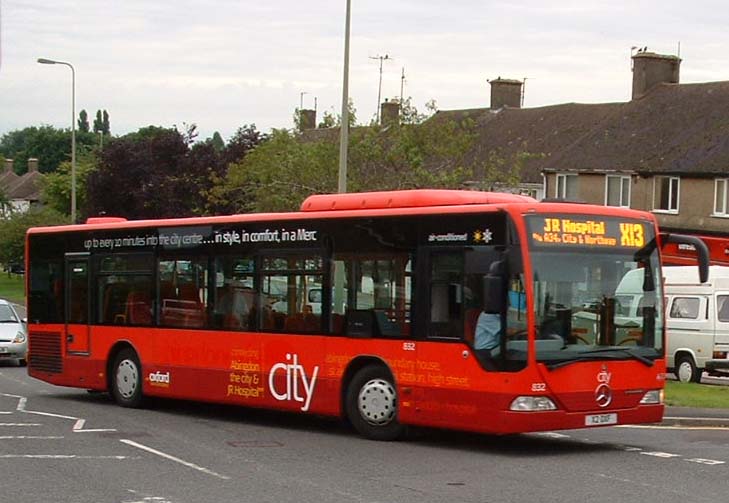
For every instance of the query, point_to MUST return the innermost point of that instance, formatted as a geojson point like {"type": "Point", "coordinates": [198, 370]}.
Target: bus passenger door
{"type": "Point", "coordinates": [77, 303]}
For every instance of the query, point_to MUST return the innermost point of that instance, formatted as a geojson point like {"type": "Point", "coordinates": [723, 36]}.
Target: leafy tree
{"type": "Point", "coordinates": [56, 186]}
{"type": "Point", "coordinates": [217, 142]}
{"type": "Point", "coordinates": [426, 153]}
{"type": "Point", "coordinates": [13, 229]}
{"type": "Point", "coordinates": [98, 123]}
{"type": "Point", "coordinates": [245, 139]}
{"type": "Point", "coordinates": [105, 127]}
{"type": "Point", "coordinates": [329, 120]}
{"type": "Point", "coordinates": [277, 175]}
{"type": "Point", "coordinates": [159, 172]}
{"type": "Point", "coordinates": [51, 146]}
{"type": "Point", "coordinates": [83, 121]}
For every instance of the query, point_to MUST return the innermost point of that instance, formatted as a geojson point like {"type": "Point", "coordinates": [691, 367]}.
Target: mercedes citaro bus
{"type": "Point", "coordinates": [362, 306]}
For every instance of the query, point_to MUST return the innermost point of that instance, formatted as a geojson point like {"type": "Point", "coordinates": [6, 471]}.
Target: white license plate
{"type": "Point", "coordinates": [601, 419]}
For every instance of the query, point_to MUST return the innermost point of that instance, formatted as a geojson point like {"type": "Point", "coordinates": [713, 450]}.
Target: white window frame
{"type": "Point", "coordinates": [564, 177]}
{"type": "Point", "coordinates": [623, 180]}
{"type": "Point", "coordinates": [671, 181]}
{"type": "Point", "coordinates": [724, 211]}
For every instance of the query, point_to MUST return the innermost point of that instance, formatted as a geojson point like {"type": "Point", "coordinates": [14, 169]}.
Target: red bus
{"type": "Point", "coordinates": [362, 306]}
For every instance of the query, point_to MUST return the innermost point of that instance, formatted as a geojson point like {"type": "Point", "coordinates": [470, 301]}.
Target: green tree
{"type": "Point", "coordinates": [13, 229]}
{"type": "Point", "coordinates": [217, 142]}
{"type": "Point", "coordinates": [429, 152]}
{"type": "Point", "coordinates": [51, 146]}
{"type": "Point", "coordinates": [105, 126]}
{"type": "Point", "coordinates": [277, 175]}
{"type": "Point", "coordinates": [98, 123]}
{"type": "Point", "coordinates": [83, 122]}
{"type": "Point", "coordinates": [56, 186]}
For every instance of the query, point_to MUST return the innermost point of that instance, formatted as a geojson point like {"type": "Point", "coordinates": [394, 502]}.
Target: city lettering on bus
{"type": "Point", "coordinates": [457, 309]}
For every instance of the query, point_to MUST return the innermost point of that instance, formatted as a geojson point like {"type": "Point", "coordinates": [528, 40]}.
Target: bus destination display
{"type": "Point", "coordinates": [587, 231]}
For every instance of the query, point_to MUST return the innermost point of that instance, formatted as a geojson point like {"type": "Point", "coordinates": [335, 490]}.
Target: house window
{"type": "Point", "coordinates": [617, 191]}
{"type": "Point", "coordinates": [720, 197]}
{"type": "Point", "coordinates": [566, 187]}
{"type": "Point", "coordinates": [665, 193]}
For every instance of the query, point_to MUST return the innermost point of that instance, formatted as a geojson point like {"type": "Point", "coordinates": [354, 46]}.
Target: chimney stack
{"type": "Point", "coordinates": [650, 69]}
{"type": "Point", "coordinates": [307, 119]}
{"type": "Point", "coordinates": [389, 113]}
{"type": "Point", "coordinates": [8, 165]}
{"type": "Point", "coordinates": [505, 93]}
{"type": "Point", "coordinates": [32, 164]}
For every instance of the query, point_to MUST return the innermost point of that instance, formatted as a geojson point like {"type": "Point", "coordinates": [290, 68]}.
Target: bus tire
{"type": "Point", "coordinates": [686, 370]}
{"type": "Point", "coordinates": [126, 379]}
{"type": "Point", "coordinates": [372, 404]}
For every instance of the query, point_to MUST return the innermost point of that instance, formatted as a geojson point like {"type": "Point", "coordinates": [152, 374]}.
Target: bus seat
{"type": "Point", "coordinates": [115, 297]}
{"type": "Point", "coordinates": [337, 323]}
{"type": "Point", "coordinates": [361, 323]}
{"type": "Point", "coordinates": [294, 323]}
{"type": "Point", "coordinates": [139, 308]}
{"type": "Point", "coordinates": [311, 323]}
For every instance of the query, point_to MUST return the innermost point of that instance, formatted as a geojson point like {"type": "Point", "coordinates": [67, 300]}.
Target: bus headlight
{"type": "Point", "coordinates": [652, 397]}
{"type": "Point", "coordinates": [532, 403]}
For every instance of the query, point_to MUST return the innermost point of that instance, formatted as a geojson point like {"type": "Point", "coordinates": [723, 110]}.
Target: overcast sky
{"type": "Point", "coordinates": [222, 64]}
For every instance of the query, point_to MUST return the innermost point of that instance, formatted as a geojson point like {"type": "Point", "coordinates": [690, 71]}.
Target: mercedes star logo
{"type": "Point", "coordinates": [603, 395]}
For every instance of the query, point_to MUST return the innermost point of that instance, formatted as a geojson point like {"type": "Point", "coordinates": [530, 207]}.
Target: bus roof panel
{"type": "Point", "coordinates": [407, 199]}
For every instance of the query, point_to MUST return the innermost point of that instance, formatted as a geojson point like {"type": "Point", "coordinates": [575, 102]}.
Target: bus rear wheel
{"type": "Point", "coordinates": [686, 370]}
{"type": "Point", "coordinates": [126, 379]}
{"type": "Point", "coordinates": [371, 404]}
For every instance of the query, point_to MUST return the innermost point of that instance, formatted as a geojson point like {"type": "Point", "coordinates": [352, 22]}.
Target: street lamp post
{"type": "Point", "coordinates": [44, 61]}
{"type": "Point", "coordinates": [344, 129]}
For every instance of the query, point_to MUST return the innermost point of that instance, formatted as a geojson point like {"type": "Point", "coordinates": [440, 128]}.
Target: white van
{"type": "Point", "coordinates": [697, 321]}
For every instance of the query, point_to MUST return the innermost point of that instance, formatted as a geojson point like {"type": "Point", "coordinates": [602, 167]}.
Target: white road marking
{"type": "Point", "coordinates": [20, 424]}
{"type": "Point", "coordinates": [3, 412]}
{"type": "Point", "coordinates": [665, 455]}
{"type": "Point", "coordinates": [669, 427]}
{"type": "Point", "coordinates": [703, 461]}
{"type": "Point", "coordinates": [77, 426]}
{"type": "Point", "coordinates": [630, 448]}
{"type": "Point", "coordinates": [28, 437]}
{"type": "Point", "coordinates": [147, 499]}
{"type": "Point", "coordinates": [173, 458]}
{"type": "Point", "coordinates": [62, 456]}
{"type": "Point", "coordinates": [551, 434]}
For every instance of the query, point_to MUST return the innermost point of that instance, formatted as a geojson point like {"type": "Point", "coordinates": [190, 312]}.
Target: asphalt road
{"type": "Point", "coordinates": [65, 445]}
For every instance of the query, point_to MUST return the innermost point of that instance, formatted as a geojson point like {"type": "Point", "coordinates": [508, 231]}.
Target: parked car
{"type": "Point", "coordinates": [15, 268]}
{"type": "Point", "coordinates": [13, 334]}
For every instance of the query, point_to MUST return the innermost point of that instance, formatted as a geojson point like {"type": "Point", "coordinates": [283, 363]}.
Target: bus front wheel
{"type": "Point", "coordinates": [126, 379]}
{"type": "Point", "coordinates": [372, 404]}
{"type": "Point", "coordinates": [686, 370]}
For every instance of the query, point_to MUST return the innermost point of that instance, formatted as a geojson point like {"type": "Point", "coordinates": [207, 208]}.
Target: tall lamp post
{"type": "Point", "coordinates": [344, 129]}
{"type": "Point", "coordinates": [44, 61]}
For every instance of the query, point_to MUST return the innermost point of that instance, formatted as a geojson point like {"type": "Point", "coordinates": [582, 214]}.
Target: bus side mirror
{"type": "Point", "coordinates": [701, 250]}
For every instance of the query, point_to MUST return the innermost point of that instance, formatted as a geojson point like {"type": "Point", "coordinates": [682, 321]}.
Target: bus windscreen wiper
{"type": "Point", "coordinates": [596, 354]}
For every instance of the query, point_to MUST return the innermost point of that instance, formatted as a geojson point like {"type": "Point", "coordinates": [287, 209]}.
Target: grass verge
{"type": "Point", "coordinates": [12, 288]}
{"type": "Point", "coordinates": [680, 394]}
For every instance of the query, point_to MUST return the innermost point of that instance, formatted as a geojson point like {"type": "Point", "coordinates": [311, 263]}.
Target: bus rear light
{"type": "Point", "coordinates": [532, 403]}
{"type": "Point", "coordinates": [653, 397]}
{"type": "Point", "coordinates": [719, 355]}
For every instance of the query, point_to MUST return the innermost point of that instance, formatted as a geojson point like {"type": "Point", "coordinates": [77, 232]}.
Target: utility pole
{"type": "Point", "coordinates": [344, 128]}
{"type": "Point", "coordinates": [402, 85]}
{"type": "Point", "coordinates": [379, 87]}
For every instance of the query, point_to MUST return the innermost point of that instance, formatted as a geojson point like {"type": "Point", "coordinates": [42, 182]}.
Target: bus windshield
{"type": "Point", "coordinates": [595, 301]}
